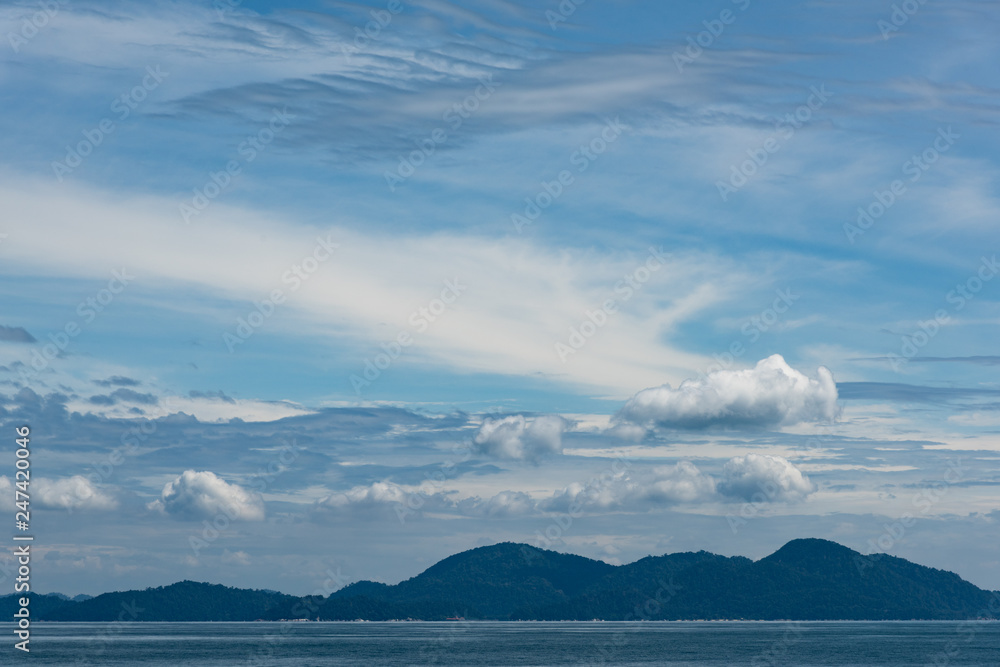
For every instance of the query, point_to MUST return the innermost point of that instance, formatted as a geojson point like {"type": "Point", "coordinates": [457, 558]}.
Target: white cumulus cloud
{"type": "Point", "coordinates": [769, 394]}
{"type": "Point", "coordinates": [67, 493]}
{"type": "Point", "coordinates": [378, 494]}
{"type": "Point", "coordinates": [764, 478]}
{"type": "Point", "coordinates": [195, 495]}
{"type": "Point", "coordinates": [514, 437]}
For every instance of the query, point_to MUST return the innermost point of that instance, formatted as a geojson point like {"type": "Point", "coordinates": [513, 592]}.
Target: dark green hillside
{"type": "Point", "coordinates": [808, 579]}
{"type": "Point", "coordinates": [183, 601]}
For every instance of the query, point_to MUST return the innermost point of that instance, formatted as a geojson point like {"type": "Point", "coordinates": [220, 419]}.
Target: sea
{"type": "Point", "coordinates": [716, 643]}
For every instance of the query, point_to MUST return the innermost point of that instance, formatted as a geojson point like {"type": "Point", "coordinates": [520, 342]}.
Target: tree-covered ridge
{"type": "Point", "coordinates": [807, 579]}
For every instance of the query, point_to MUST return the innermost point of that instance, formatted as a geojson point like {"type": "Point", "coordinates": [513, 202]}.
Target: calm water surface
{"type": "Point", "coordinates": [892, 644]}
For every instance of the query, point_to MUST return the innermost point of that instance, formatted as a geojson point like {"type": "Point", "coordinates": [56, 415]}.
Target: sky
{"type": "Point", "coordinates": [300, 293]}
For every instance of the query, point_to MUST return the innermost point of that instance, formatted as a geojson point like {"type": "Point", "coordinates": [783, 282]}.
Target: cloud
{"type": "Point", "coordinates": [681, 483]}
{"type": "Point", "coordinates": [980, 419]}
{"type": "Point", "coordinates": [405, 501]}
{"type": "Point", "coordinates": [124, 395]}
{"type": "Point", "coordinates": [212, 408]}
{"type": "Point", "coordinates": [235, 557]}
{"type": "Point", "coordinates": [378, 494]}
{"type": "Point", "coordinates": [67, 493]}
{"type": "Point", "coordinates": [76, 492]}
{"type": "Point", "coordinates": [196, 495]}
{"type": "Point", "coordinates": [507, 325]}
{"type": "Point", "coordinates": [774, 478]}
{"type": "Point", "coordinates": [984, 360]}
{"type": "Point", "coordinates": [516, 438]}
{"type": "Point", "coordinates": [131, 396]}
{"type": "Point", "coordinates": [15, 335]}
{"type": "Point", "coordinates": [665, 485]}
{"type": "Point", "coordinates": [770, 394]}
{"type": "Point", "coordinates": [618, 489]}
{"type": "Point", "coordinates": [503, 504]}
{"type": "Point", "coordinates": [220, 395]}
{"type": "Point", "coordinates": [898, 391]}
{"type": "Point", "coordinates": [117, 381]}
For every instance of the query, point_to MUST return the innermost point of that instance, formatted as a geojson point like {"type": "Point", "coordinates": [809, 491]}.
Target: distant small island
{"type": "Point", "coordinates": [807, 579]}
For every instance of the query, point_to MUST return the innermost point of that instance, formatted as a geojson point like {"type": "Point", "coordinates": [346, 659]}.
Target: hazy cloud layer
{"type": "Point", "coordinates": [369, 467]}
{"type": "Point", "coordinates": [663, 486]}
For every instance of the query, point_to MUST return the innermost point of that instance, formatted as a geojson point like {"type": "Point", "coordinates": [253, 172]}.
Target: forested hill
{"type": "Point", "coordinates": [807, 579]}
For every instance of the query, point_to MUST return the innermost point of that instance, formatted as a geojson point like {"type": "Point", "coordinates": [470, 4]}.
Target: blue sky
{"type": "Point", "coordinates": [435, 279]}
